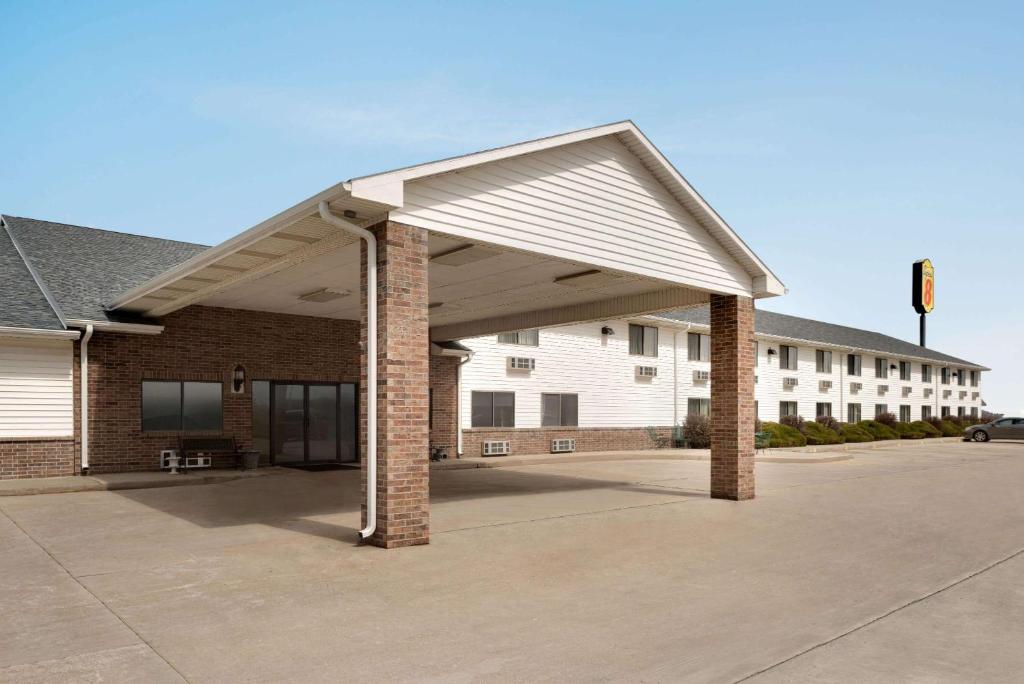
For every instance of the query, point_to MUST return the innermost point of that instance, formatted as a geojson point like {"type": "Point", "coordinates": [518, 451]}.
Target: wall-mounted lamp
{"type": "Point", "coordinates": [892, 366]}
{"type": "Point", "coordinates": [955, 374]}
{"type": "Point", "coordinates": [771, 352]}
{"type": "Point", "coordinates": [238, 380]}
{"type": "Point", "coordinates": [607, 331]}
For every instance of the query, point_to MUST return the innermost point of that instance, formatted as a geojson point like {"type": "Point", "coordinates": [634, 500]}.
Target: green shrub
{"type": "Point", "coordinates": [817, 433]}
{"type": "Point", "coordinates": [784, 436]}
{"type": "Point", "coordinates": [927, 428]}
{"type": "Point", "coordinates": [855, 433]}
{"type": "Point", "coordinates": [950, 429]}
{"type": "Point", "coordinates": [907, 431]}
{"type": "Point", "coordinates": [697, 431]}
{"type": "Point", "coordinates": [877, 430]}
{"type": "Point", "coordinates": [793, 422]}
{"type": "Point", "coordinates": [829, 422]}
{"type": "Point", "coordinates": [887, 419]}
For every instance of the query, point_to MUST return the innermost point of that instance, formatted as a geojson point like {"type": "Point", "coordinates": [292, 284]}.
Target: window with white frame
{"type": "Point", "coordinates": [944, 412]}
{"type": "Point", "coordinates": [974, 378]}
{"type": "Point", "coordinates": [643, 340]}
{"type": "Point", "coordinates": [852, 413]}
{"type": "Point", "coordinates": [961, 411]}
{"type": "Point", "coordinates": [881, 368]}
{"type": "Point", "coordinates": [961, 377]}
{"type": "Point", "coordinates": [944, 375]}
{"type": "Point", "coordinates": [559, 410]}
{"type": "Point", "coordinates": [493, 409]}
{"type": "Point", "coordinates": [788, 357]}
{"type": "Point", "coordinates": [926, 372]}
{"type": "Point", "coordinates": [904, 413]}
{"type": "Point", "coordinates": [823, 360]}
{"type": "Point", "coordinates": [699, 347]}
{"type": "Point", "coordinates": [788, 408]}
{"type": "Point", "coordinates": [926, 412]}
{"type": "Point", "coordinates": [853, 364]}
{"type": "Point", "coordinates": [823, 408]}
{"type": "Point", "coordinates": [904, 370]}
{"type": "Point", "coordinates": [698, 406]}
{"type": "Point", "coordinates": [881, 409]}
{"type": "Point", "coordinates": [529, 338]}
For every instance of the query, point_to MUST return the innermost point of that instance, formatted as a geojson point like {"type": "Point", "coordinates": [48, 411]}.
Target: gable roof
{"type": "Point", "coordinates": [22, 302]}
{"type": "Point", "coordinates": [798, 329]}
{"type": "Point", "coordinates": [83, 268]}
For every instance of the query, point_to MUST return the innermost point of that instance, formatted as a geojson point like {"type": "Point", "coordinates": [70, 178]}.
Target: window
{"type": "Point", "coordinates": [530, 338]}
{"type": "Point", "coordinates": [261, 416]}
{"type": "Point", "coordinates": [944, 376]}
{"type": "Point", "coordinates": [926, 412]}
{"type": "Point", "coordinates": [945, 412]}
{"type": "Point", "coordinates": [881, 409]}
{"type": "Point", "coordinates": [700, 407]}
{"type": "Point", "coordinates": [699, 347]}
{"type": "Point", "coordinates": [823, 408]}
{"type": "Point", "coordinates": [926, 373]}
{"type": "Point", "coordinates": [974, 378]}
{"type": "Point", "coordinates": [643, 340]}
{"type": "Point", "coordinates": [787, 357]}
{"type": "Point", "coordinates": [559, 410]}
{"type": "Point", "coordinates": [961, 377]}
{"type": "Point", "coordinates": [881, 368]}
{"type": "Point", "coordinates": [904, 370]}
{"type": "Point", "coordinates": [974, 412]}
{"type": "Point", "coordinates": [182, 406]}
{"type": "Point", "coordinates": [961, 412]}
{"type": "Point", "coordinates": [853, 364]}
{"type": "Point", "coordinates": [853, 413]}
{"type": "Point", "coordinates": [904, 413]}
{"type": "Point", "coordinates": [787, 408]}
{"type": "Point", "coordinates": [823, 360]}
{"type": "Point", "coordinates": [494, 409]}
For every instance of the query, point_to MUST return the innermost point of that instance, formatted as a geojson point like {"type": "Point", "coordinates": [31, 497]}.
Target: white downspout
{"type": "Point", "coordinates": [458, 403]}
{"type": "Point", "coordinates": [83, 382]}
{"type": "Point", "coordinates": [371, 361]}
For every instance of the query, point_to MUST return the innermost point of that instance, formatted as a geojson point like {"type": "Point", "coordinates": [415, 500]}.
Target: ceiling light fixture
{"type": "Point", "coordinates": [465, 254]}
{"type": "Point", "coordinates": [593, 278]}
{"type": "Point", "coordinates": [324, 294]}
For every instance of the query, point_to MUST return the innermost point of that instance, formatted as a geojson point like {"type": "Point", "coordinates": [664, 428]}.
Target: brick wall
{"type": "Point", "coordinates": [24, 458]}
{"type": "Point", "coordinates": [443, 388]}
{"type": "Point", "coordinates": [205, 343]}
{"type": "Point", "coordinates": [538, 440]}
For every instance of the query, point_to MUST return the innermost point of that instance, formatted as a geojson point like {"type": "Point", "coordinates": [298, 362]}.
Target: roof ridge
{"type": "Point", "coordinates": [103, 230]}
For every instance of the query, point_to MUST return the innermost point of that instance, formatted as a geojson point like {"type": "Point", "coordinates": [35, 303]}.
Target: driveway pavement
{"type": "Point", "coordinates": [898, 564]}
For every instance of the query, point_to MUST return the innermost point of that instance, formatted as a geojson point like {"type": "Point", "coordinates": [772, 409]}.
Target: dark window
{"type": "Point", "coordinates": [699, 347]}
{"type": "Point", "coordinates": [787, 408]}
{"type": "Point", "coordinates": [904, 413]}
{"type": "Point", "coordinates": [494, 409]}
{"type": "Point", "coordinates": [529, 338]}
{"type": "Point", "coordinates": [926, 373]}
{"type": "Point", "coordinates": [881, 409]}
{"type": "Point", "coordinates": [961, 378]}
{"type": "Point", "coordinates": [261, 416]}
{"type": "Point", "coordinates": [974, 412]}
{"type": "Point", "coordinates": [853, 364]}
{"type": "Point", "coordinates": [926, 412]}
{"type": "Point", "coordinates": [945, 412]}
{"type": "Point", "coordinates": [823, 408]}
{"type": "Point", "coordinates": [974, 378]}
{"type": "Point", "coordinates": [559, 409]}
{"type": "Point", "coordinates": [881, 368]}
{"type": "Point", "coordinates": [944, 376]}
{"type": "Point", "coordinates": [823, 360]}
{"type": "Point", "coordinates": [787, 357]}
{"type": "Point", "coordinates": [643, 340]}
{"type": "Point", "coordinates": [904, 370]}
{"type": "Point", "coordinates": [961, 412]}
{"type": "Point", "coordinates": [852, 413]}
{"type": "Point", "coordinates": [182, 406]}
{"type": "Point", "coordinates": [698, 407]}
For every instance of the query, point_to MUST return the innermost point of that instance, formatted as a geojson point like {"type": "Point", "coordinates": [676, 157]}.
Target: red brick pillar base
{"type": "Point", "coordinates": [403, 489]}
{"type": "Point", "coordinates": [732, 397]}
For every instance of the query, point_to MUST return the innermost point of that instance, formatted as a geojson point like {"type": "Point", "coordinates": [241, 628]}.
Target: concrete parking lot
{"type": "Point", "coordinates": [901, 564]}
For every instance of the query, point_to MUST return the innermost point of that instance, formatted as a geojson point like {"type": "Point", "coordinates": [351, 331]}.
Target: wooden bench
{"type": "Point", "coordinates": [208, 446]}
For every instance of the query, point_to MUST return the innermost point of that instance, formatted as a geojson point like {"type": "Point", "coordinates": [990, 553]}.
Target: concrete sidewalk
{"type": "Point", "coordinates": [117, 481]}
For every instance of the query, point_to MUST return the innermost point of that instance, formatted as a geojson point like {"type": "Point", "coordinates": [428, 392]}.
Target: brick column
{"type": "Point", "coordinates": [732, 397]}
{"type": "Point", "coordinates": [403, 490]}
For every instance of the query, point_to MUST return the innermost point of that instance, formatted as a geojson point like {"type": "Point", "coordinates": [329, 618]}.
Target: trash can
{"type": "Point", "coordinates": [250, 460]}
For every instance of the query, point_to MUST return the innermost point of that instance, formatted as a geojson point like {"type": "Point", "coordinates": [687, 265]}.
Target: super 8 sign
{"type": "Point", "coordinates": [924, 286]}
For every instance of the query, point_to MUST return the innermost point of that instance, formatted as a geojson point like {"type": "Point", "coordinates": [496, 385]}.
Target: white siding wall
{"type": "Point", "coordinates": [592, 202]}
{"type": "Point", "coordinates": [578, 359]}
{"type": "Point", "coordinates": [35, 388]}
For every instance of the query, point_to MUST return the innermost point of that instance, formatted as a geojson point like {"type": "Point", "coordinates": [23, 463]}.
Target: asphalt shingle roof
{"type": "Point", "coordinates": [782, 325]}
{"type": "Point", "coordinates": [22, 303]}
{"type": "Point", "coordinates": [84, 268]}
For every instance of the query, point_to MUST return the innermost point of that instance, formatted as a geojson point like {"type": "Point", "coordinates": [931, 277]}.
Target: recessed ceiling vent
{"type": "Point", "coordinates": [465, 254]}
{"type": "Point", "coordinates": [324, 294]}
{"type": "Point", "coordinates": [593, 278]}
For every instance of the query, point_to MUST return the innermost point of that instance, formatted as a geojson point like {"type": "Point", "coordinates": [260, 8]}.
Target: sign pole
{"type": "Point", "coordinates": [922, 330]}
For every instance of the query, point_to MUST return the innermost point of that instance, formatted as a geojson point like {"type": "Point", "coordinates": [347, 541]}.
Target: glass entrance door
{"type": "Point", "coordinates": [312, 423]}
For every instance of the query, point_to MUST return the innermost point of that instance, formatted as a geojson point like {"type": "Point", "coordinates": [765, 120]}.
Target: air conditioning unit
{"type": "Point", "coordinates": [701, 375]}
{"type": "Point", "coordinates": [646, 371]}
{"type": "Point", "coordinates": [198, 461]}
{"type": "Point", "coordinates": [975, 395]}
{"type": "Point", "coordinates": [497, 448]}
{"type": "Point", "coordinates": [927, 391]}
{"type": "Point", "coordinates": [946, 394]}
{"type": "Point", "coordinates": [824, 385]}
{"type": "Point", "coordinates": [963, 395]}
{"type": "Point", "coordinates": [522, 363]}
{"type": "Point", "coordinates": [165, 458]}
{"type": "Point", "coordinates": [790, 382]}
{"type": "Point", "coordinates": [563, 446]}
{"type": "Point", "coordinates": [882, 389]}
{"type": "Point", "coordinates": [856, 387]}
{"type": "Point", "coordinates": [907, 391]}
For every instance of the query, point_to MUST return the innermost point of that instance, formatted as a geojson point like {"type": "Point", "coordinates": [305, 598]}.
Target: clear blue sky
{"type": "Point", "coordinates": [841, 140]}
